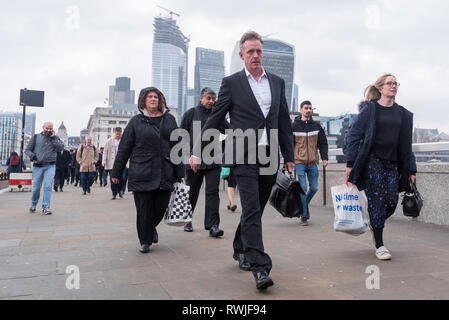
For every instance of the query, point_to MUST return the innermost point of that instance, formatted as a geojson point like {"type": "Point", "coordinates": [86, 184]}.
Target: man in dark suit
{"type": "Point", "coordinates": [255, 101]}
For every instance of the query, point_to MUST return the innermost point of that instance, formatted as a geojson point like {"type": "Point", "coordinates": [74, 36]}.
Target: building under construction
{"type": "Point", "coordinates": [170, 61]}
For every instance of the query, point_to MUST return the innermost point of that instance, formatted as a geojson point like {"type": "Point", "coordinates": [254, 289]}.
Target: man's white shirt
{"type": "Point", "coordinates": [262, 92]}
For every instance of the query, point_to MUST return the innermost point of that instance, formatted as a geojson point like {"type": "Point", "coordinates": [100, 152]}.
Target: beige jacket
{"type": "Point", "coordinates": [87, 157]}
{"type": "Point", "coordinates": [109, 154]}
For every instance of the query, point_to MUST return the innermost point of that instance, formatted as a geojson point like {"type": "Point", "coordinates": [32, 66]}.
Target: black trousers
{"type": "Point", "coordinates": [150, 208]}
{"type": "Point", "coordinates": [100, 175]}
{"type": "Point", "coordinates": [212, 201]}
{"type": "Point", "coordinates": [254, 191]}
{"type": "Point", "coordinates": [60, 176]}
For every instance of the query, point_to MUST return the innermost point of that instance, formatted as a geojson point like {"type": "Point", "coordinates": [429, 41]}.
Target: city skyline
{"type": "Point", "coordinates": [340, 49]}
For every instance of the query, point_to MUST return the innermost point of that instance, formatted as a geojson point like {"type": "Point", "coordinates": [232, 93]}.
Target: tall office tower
{"type": "Point", "coordinates": [209, 70]}
{"type": "Point", "coordinates": [278, 58]}
{"type": "Point", "coordinates": [62, 134]}
{"type": "Point", "coordinates": [170, 58]}
{"type": "Point", "coordinates": [295, 103]}
{"type": "Point", "coordinates": [121, 95]}
{"type": "Point", "coordinates": [10, 135]}
{"type": "Point", "coordinates": [191, 99]}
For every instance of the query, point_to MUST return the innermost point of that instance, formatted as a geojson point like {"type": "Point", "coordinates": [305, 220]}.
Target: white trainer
{"type": "Point", "coordinates": [382, 253]}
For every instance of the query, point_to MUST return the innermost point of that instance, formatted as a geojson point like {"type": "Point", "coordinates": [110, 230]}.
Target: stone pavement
{"type": "Point", "coordinates": [99, 236]}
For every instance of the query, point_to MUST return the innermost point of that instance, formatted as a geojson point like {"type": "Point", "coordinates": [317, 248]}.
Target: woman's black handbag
{"type": "Point", "coordinates": [285, 195]}
{"type": "Point", "coordinates": [412, 202]}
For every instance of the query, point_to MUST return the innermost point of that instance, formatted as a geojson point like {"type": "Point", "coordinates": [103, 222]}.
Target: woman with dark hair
{"type": "Point", "coordinates": [379, 154]}
{"type": "Point", "coordinates": [146, 143]}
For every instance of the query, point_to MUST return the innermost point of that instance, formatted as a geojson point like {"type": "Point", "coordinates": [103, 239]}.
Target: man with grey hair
{"type": "Point", "coordinates": [255, 101]}
{"type": "Point", "coordinates": [198, 116]}
{"type": "Point", "coordinates": [42, 151]}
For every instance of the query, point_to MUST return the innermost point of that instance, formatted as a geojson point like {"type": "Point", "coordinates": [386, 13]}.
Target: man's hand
{"type": "Point", "coordinates": [325, 163]}
{"type": "Point", "coordinates": [104, 164]}
{"type": "Point", "coordinates": [115, 180]}
{"type": "Point", "coordinates": [195, 163]}
{"type": "Point", "coordinates": [53, 133]}
{"type": "Point", "coordinates": [289, 166]}
{"type": "Point", "coordinates": [413, 178]}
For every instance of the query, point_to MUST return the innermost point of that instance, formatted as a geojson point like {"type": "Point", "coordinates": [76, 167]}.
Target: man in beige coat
{"type": "Point", "coordinates": [109, 154]}
{"type": "Point", "coordinates": [87, 156]}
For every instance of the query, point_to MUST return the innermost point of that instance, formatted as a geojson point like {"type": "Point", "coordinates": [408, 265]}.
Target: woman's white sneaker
{"type": "Point", "coordinates": [382, 253]}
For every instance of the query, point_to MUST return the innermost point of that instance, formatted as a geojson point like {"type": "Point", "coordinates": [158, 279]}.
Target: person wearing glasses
{"type": "Point", "coordinates": [379, 154]}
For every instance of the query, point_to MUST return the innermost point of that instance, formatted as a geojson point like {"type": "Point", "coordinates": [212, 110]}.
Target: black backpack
{"type": "Point", "coordinates": [412, 202]}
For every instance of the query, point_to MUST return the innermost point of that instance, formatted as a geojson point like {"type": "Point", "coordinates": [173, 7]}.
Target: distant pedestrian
{"type": "Point", "coordinates": [379, 154]}
{"type": "Point", "coordinates": [76, 165]}
{"type": "Point", "coordinates": [309, 138]}
{"type": "Point", "coordinates": [71, 177]}
{"type": "Point", "coordinates": [62, 169]}
{"type": "Point", "coordinates": [87, 156]}
{"type": "Point", "coordinates": [42, 151]}
{"type": "Point", "coordinates": [109, 155]}
{"type": "Point", "coordinates": [99, 167]}
{"type": "Point", "coordinates": [14, 163]}
{"type": "Point", "coordinates": [146, 143]}
{"type": "Point", "coordinates": [232, 185]}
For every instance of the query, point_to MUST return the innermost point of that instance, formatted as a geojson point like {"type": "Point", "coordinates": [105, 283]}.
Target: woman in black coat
{"type": "Point", "coordinates": [146, 143]}
{"type": "Point", "coordinates": [379, 154]}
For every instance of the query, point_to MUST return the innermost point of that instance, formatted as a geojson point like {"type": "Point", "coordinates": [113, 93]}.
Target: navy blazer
{"type": "Point", "coordinates": [360, 140]}
{"type": "Point", "coordinates": [236, 97]}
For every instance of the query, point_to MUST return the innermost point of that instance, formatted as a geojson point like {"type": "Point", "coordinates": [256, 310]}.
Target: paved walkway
{"type": "Point", "coordinates": [99, 236]}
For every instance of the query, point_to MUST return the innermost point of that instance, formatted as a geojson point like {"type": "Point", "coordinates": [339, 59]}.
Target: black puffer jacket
{"type": "Point", "coordinates": [150, 167]}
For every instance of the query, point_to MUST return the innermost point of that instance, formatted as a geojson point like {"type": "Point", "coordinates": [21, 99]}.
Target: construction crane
{"type": "Point", "coordinates": [170, 12]}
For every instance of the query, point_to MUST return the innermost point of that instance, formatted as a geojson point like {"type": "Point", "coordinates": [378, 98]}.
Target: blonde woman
{"type": "Point", "coordinates": [379, 154]}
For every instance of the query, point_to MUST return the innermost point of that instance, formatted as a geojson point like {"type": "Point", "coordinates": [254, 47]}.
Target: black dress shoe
{"type": "Point", "coordinates": [263, 281]}
{"type": "Point", "coordinates": [188, 227]}
{"type": "Point", "coordinates": [215, 232]}
{"type": "Point", "coordinates": [155, 236]}
{"type": "Point", "coordinates": [120, 194]}
{"type": "Point", "coordinates": [145, 248]}
{"type": "Point", "coordinates": [243, 264]}
{"type": "Point", "coordinates": [113, 197]}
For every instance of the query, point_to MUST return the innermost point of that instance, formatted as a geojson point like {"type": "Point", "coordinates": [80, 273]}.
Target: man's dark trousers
{"type": "Point", "coordinates": [60, 177]}
{"type": "Point", "coordinates": [195, 180]}
{"type": "Point", "coordinates": [254, 191]}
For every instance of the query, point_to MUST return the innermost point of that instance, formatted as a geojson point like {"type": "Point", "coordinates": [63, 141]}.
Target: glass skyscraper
{"type": "Point", "coordinates": [121, 95]}
{"type": "Point", "coordinates": [170, 58]}
{"type": "Point", "coordinates": [278, 58]}
{"type": "Point", "coordinates": [209, 70]}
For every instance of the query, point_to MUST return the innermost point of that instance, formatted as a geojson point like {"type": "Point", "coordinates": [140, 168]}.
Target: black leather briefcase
{"type": "Point", "coordinates": [285, 195]}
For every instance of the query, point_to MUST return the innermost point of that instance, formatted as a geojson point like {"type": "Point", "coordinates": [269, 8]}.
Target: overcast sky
{"type": "Point", "coordinates": [75, 49]}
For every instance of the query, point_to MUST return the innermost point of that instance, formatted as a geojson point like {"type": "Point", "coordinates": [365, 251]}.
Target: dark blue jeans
{"type": "Point", "coordinates": [87, 178]}
{"type": "Point", "coordinates": [312, 176]}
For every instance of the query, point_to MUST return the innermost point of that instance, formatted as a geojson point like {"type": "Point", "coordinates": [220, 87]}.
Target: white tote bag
{"type": "Point", "coordinates": [350, 207]}
{"type": "Point", "coordinates": [179, 210]}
